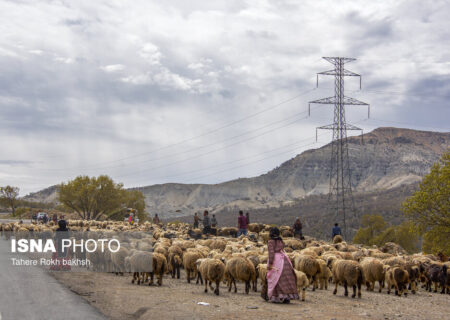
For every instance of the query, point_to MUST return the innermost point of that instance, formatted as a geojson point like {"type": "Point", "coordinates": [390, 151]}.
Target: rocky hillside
{"type": "Point", "coordinates": [316, 219]}
{"type": "Point", "coordinates": [388, 158]}
{"type": "Point", "coordinates": [47, 195]}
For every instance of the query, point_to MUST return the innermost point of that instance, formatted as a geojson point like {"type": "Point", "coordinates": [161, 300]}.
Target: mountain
{"type": "Point", "coordinates": [316, 219]}
{"type": "Point", "coordinates": [387, 158]}
{"type": "Point", "coordinates": [47, 195]}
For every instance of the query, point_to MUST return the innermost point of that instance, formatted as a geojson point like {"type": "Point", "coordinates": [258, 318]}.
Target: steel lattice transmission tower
{"type": "Point", "coordinates": [340, 198]}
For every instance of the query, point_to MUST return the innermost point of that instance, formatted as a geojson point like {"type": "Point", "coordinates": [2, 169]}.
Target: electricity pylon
{"type": "Point", "coordinates": [340, 198]}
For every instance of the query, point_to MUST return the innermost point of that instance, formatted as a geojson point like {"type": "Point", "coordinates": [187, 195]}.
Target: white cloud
{"type": "Point", "coordinates": [113, 67]}
{"type": "Point", "coordinates": [36, 52]}
{"type": "Point", "coordinates": [64, 60]}
{"type": "Point", "coordinates": [150, 53]}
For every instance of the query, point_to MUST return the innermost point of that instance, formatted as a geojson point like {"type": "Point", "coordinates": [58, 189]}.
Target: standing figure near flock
{"type": "Point", "coordinates": [242, 224]}
{"type": "Point", "coordinates": [196, 219]}
{"type": "Point", "coordinates": [336, 231]}
{"type": "Point", "coordinates": [206, 223]}
{"type": "Point", "coordinates": [298, 229]}
{"type": "Point", "coordinates": [281, 279]}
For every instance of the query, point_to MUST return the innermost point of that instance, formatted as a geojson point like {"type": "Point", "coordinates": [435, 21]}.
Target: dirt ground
{"type": "Point", "coordinates": [117, 298]}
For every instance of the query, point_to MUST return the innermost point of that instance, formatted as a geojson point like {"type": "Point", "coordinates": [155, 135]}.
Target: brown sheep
{"type": "Point", "coordinates": [302, 282]}
{"type": "Point", "coordinates": [211, 270]}
{"type": "Point", "coordinates": [373, 271]}
{"type": "Point", "coordinates": [159, 268]}
{"type": "Point", "coordinates": [414, 276]}
{"type": "Point", "coordinates": [309, 266]}
{"type": "Point", "coordinates": [324, 275]}
{"type": "Point", "coordinates": [394, 261]}
{"type": "Point", "coordinates": [398, 278]}
{"type": "Point", "coordinates": [262, 273]}
{"type": "Point", "coordinates": [347, 273]}
{"type": "Point", "coordinates": [239, 268]}
{"type": "Point", "coordinates": [175, 264]}
{"type": "Point", "coordinates": [337, 239]}
{"type": "Point", "coordinates": [295, 244]}
{"type": "Point", "coordinates": [189, 261]}
{"type": "Point", "coordinates": [255, 227]}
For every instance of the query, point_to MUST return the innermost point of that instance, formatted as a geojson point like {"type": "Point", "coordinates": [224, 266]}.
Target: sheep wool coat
{"type": "Point", "coordinates": [281, 280]}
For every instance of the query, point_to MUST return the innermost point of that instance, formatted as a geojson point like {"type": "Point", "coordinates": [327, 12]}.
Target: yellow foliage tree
{"type": "Point", "coordinates": [429, 208]}
{"type": "Point", "coordinates": [375, 231]}
{"type": "Point", "coordinates": [95, 197]}
{"type": "Point", "coordinates": [371, 226]}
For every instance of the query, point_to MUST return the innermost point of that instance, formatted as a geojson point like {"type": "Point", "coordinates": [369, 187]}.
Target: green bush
{"type": "Point", "coordinates": [22, 211]}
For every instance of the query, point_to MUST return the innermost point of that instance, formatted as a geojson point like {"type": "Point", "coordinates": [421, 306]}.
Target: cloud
{"type": "Point", "coordinates": [113, 68]}
{"type": "Point", "coordinates": [103, 87]}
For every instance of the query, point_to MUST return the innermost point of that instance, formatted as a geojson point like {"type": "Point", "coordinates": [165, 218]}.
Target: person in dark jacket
{"type": "Point", "coordinates": [62, 255]}
{"type": "Point", "coordinates": [206, 223]}
{"type": "Point", "coordinates": [242, 224]}
{"type": "Point", "coordinates": [298, 229]}
{"type": "Point", "coordinates": [213, 221]}
{"type": "Point", "coordinates": [336, 231]}
{"type": "Point", "coordinates": [247, 216]}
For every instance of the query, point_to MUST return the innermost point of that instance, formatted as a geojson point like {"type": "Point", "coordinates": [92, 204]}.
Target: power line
{"type": "Point", "coordinates": [253, 162]}
{"type": "Point", "coordinates": [169, 156]}
{"type": "Point", "coordinates": [234, 161]}
{"type": "Point", "coordinates": [95, 166]}
{"type": "Point", "coordinates": [215, 150]}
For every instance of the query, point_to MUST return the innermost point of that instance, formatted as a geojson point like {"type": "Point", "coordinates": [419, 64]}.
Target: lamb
{"type": "Point", "coordinates": [324, 274]}
{"type": "Point", "coordinates": [239, 268]}
{"type": "Point", "coordinates": [398, 278]}
{"type": "Point", "coordinates": [189, 262]}
{"type": "Point", "coordinates": [373, 271]}
{"type": "Point", "coordinates": [302, 282]}
{"type": "Point", "coordinates": [211, 270]}
{"type": "Point", "coordinates": [348, 273]}
{"type": "Point", "coordinates": [262, 273]}
{"type": "Point", "coordinates": [309, 266]}
{"type": "Point", "coordinates": [175, 264]}
{"type": "Point", "coordinates": [414, 276]}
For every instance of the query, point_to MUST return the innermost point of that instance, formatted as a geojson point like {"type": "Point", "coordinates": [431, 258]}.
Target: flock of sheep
{"type": "Point", "coordinates": [148, 250]}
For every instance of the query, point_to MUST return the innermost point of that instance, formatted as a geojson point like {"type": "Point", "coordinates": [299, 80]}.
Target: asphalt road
{"type": "Point", "coordinates": [32, 293]}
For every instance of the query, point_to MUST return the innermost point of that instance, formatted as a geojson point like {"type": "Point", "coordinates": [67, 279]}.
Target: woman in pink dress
{"type": "Point", "coordinates": [281, 279]}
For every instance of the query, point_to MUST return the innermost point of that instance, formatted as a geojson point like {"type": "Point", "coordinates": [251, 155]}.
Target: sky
{"type": "Point", "coordinates": [152, 92]}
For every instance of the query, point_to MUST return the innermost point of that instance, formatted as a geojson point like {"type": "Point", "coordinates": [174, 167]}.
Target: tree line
{"type": "Point", "coordinates": [426, 212]}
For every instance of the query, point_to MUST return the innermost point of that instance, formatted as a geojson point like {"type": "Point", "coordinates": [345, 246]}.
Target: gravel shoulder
{"type": "Point", "coordinates": [117, 298]}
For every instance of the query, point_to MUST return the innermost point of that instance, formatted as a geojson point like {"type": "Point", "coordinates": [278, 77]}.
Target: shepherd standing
{"type": "Point", "coordinates": [281, 279]}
